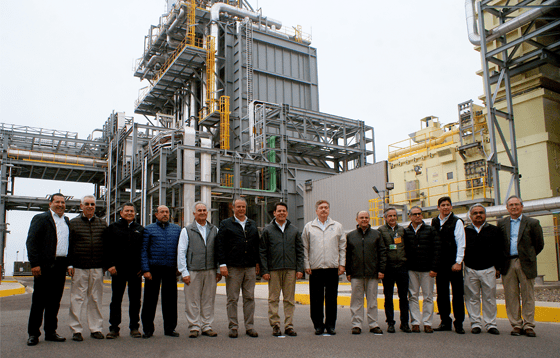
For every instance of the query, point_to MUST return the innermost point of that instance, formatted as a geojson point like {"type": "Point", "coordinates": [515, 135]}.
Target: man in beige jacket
{"type": "Point", "coordinates": [324, 246]}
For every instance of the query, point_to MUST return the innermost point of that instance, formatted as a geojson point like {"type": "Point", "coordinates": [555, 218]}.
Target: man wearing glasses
{"type": "Point", "coordinates": [85, 259]}
{"type": "Point", "coordinates": [523, 239]}
{"type": "Point", "coordinates": [422, 246]}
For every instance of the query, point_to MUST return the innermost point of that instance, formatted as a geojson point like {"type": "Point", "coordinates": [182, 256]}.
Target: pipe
{"type": "Point", "coordinates": [178, 19]}
{"type": "Point", "coordinates": [217, 8]}
{"type": "Point", "coordinates": [539, 205]}
{"type": "Point", "coordinates": [525, 18]}
{"type": "Point", "coordinates": [56, 158]}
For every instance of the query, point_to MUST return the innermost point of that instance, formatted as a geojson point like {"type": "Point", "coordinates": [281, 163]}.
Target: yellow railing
{"type": "Point", "coordinates": [227, 180]}
{"type": "Point", "coordinates": [460, 190]}
{"type": "Point", "coordinates": [420, 143]}
{"type": "Point", "coordinates": [224, 122]}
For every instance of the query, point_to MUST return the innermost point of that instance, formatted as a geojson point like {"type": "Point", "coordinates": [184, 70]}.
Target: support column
{"type": "Point", "coordinates": [206, 172]}
{"type": "Point", "coordinates": [188, 174]}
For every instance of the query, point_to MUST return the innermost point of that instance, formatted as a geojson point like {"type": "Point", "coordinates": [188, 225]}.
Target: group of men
{"type": "Point", "coordinates": [413, 257]}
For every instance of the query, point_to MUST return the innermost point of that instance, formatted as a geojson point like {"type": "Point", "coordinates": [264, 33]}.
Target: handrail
{"type": "Point", "coordinates": [471, 190]}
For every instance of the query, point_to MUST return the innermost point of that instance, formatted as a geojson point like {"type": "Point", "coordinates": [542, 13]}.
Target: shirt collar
{"type": "Point", "coordinates": [239, 221]}
{"type": "Point", "coordinates": [55, 215]}
{"type": "Point", "coordinates": [516, 220]}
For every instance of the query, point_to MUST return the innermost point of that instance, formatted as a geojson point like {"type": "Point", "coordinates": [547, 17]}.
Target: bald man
{"type": "Point", "coordinates": [159, 267]}
{"type": "Point", "coordinates": [366, 257]}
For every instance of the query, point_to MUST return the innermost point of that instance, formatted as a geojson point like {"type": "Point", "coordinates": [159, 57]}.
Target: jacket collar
{"type": "Point", "coordinates": [162, 224]}
{"type": "Point", "coordinates": [361, 231]}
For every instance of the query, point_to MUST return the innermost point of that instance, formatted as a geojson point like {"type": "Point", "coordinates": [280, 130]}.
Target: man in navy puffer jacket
{"type": "Point", "coordinates": [159, 265]}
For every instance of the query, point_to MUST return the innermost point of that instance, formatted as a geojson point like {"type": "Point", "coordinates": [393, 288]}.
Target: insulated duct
{"type": "Point", "coordinates": [56, 158]}
{"type": "Point", "coordinates": [525, 18]}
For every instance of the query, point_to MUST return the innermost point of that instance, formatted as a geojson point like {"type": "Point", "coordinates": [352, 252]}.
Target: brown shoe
{"type": "Point", "coordinates": [210, 333]}
{"type": "Point", "coordinates": [112, 335]}
{"type": "Point", "coordinates": [135, 333]}
{"type": "Point", "coordinates": [276, 331]}
{"type": "Point", "coordinates": [290, 332]}
{"type": "Point", "coordinates": [415, 328]}
{"type": "Point", "coordinates": [193, 334]}
{"type": "Point", "coordinates": [529, 332]}
{"type": "Point", "coordinates": [516, 331]}
{"type": "Point", "coordinates": [251, 333]}
{"type": "Point", "coordinates": [356, 330]}
{"type": "Point", "coordinates": [232, 333]}
{"type": "Point", "coordinates": [428, 329]}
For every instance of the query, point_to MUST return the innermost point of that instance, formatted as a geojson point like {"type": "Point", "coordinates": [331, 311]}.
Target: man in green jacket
{"type": "Point", "coordinates": [281, 252]}
{"type": "Point", "coordinates": [395, 271]}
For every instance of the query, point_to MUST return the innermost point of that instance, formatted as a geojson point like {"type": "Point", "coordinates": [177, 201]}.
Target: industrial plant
{"type": "Point", "coordinates": [230, 108]}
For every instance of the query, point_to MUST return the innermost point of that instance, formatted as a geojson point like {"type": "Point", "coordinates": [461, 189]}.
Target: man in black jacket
{"type": "Point", "coordinates": [47, 249]}
{"type": "Point", "coordinates": [123, 244]}
{"type": "Point", "coordinates": [85, 257]}
{"type": "Point", "coordinates": [281, 252]}
{"type": "Point", "coordinates": [237, 252]}
{"type": "Point", "coordinates": [452, 235]}
{"type": "Point", "coordinates": [365, 264]}
{"type": "Point", "coordinates": [395, 270]}
{"type": "Point", "coordinates": [483, 262]}
{"type": "Point", "coordinates": [422, 247]}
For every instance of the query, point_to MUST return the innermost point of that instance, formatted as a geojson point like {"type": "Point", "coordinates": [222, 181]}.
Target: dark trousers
{"type": "Point", "coordinates": [166, 278]}
{"type": "Point", "coordinates": [47, 292]}
{"type": "Point", "coordinates": [443, 279]}
{"type": "Point", "coordinates": [397, 276]}
{"type": "Point", "coordinates": [323, 287]}
{"type": "Point", "coordinates": [118, 286]}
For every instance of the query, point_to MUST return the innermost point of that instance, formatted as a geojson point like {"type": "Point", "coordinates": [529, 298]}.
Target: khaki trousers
{"type": "Point", "coordinates": [86, 284]}
{"type": "Point", "coordinates": [199, 300]}
{"type": "Point", "coordinates": [480, 286]}
{"type": "Point", "coordinates": [285, 281]}
{"type": "Point", "coordinates": [359, 287]}
{"type": "Point", "coordinates": [421, 280]}
{"type": "Point", "coordinates": [241, 278]}
{"type": "Point", "coordinates": [516, 284]}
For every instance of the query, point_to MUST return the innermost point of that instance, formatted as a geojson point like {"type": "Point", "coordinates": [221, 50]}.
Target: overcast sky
{"type": "Point", "coordinates": [67, 64]}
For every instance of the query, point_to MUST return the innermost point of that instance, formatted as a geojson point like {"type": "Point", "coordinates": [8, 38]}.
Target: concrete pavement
{"type": "Point", "coordinates": [14, 312]}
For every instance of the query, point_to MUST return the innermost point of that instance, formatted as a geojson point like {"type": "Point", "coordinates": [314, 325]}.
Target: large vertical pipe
{"type": "Point", "coordinates": [206, 172]}
{"type": "Point", "coordinates": [188, 174]}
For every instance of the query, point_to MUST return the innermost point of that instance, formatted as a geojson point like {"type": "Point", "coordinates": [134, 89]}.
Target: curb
{"type": "Point", "coordinates": [12, 291]}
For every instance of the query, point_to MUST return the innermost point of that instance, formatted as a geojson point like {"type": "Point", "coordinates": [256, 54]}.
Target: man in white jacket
{"type": "Point", "coordinates": [324, 244]}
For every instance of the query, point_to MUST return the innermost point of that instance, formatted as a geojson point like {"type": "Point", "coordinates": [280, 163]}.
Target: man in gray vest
{"type": "Point", "coordinates": [195, 261]}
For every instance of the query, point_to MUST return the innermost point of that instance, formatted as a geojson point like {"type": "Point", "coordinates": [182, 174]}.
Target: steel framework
{"type": "Point", "coordinates": [515, 38]}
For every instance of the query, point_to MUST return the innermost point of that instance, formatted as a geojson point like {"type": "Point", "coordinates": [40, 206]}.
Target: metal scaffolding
{"type": "Point", "coordinates": [514, 39]}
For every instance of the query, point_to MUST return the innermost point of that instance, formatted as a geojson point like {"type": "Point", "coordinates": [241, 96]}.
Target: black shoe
{"type": "Point", "coordinates": [459, 329]}
{"type": "Point", "coordinates": [147, 334]}
{"type": "Point", "coordinates": [476, 330]}
{"type": "Point", "coordinates": [405, 328]}
{"type": "Point", "coordinates": [172, 333]}
{"type": "Point", "coordinates": [77, 337]}
{"type": "Point", "coordinates": [319, 331]}
{"type": "Point", "coordinates": [443, 327]}
{"type": "Point", "coordinates": [32, 340]}
{"type": "Point", "coordinates": [391, 328]}
{"type": "Point", "coordinates": [54, 337]}
{"type": "Point", "coordinates": [331, 331]}
{"type": "Point", "coordinates": [494, 331]}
